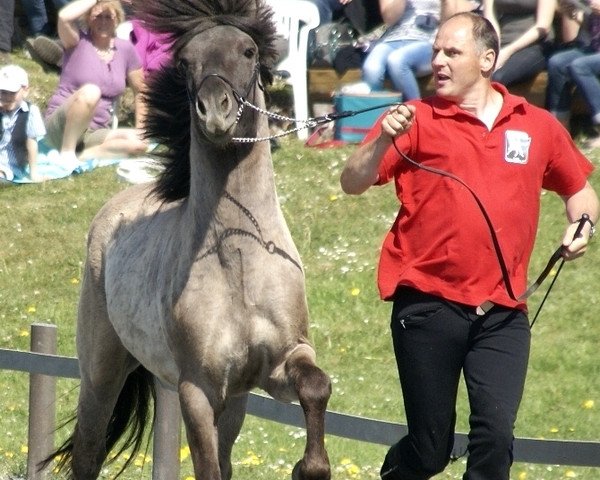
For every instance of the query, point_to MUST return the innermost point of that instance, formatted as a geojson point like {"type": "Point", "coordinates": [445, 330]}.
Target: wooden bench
{"type": "Point", "coordinates": [323, 82]}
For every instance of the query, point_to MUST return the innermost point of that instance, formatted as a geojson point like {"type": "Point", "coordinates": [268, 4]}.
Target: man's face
{"type": "Point", "coordinates": [9, 101]}
{"type": "Point", "coordinates": [456, 61]}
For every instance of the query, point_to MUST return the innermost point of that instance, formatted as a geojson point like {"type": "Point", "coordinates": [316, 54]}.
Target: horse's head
{"type": "Point", "coordinates": [222, 49]}
{"type": "Point", "coordinates": [221, 67]}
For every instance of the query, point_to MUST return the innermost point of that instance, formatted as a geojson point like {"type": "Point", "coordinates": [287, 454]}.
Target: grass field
{"type": "Point", "coordinates": [42, 251]}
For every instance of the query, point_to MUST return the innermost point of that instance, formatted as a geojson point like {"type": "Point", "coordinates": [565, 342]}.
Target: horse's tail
{"type": "Point", "coordinates": [129, 418]}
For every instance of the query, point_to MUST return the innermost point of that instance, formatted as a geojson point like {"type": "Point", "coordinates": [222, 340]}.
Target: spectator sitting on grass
{"type": "Point", "coordinates": [22, 127]}
{"type": "Point", "coordinates": [97, 66]}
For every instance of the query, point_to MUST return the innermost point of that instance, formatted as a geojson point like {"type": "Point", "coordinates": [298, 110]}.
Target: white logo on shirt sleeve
{"type": "Point", "coordinates": [516, 146]}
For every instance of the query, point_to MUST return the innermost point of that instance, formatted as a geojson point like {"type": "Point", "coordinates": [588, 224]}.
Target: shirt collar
{"type": "Point", "coordinates": [447, 108]}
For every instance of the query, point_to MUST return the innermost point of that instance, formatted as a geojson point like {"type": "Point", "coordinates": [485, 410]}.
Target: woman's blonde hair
{"type": "Point", "coordinates": [113, 6]}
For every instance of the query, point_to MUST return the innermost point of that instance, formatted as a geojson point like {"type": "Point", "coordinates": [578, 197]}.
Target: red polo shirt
{"type": "Point", "coordinates": [440, 243]}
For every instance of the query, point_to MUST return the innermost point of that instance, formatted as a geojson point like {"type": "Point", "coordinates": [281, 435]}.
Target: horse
{"type": "Point", "coordinates": [195, 279]}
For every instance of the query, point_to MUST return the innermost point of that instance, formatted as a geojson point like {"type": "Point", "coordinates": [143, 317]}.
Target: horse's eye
{"type": "Point", "coordinates": [182, 66]}
{"type": "Point", "coordinates": [249, 53]}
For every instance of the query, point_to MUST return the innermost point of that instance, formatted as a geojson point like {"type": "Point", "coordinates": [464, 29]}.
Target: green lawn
{"type": "Point", "coordinates": [42, 250]}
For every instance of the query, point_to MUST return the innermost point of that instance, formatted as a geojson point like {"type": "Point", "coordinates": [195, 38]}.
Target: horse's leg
{"type": "Point", "coordinates": [104, 365]}
{"type": "Point", "coordinates": [200, 419]}
{"type": "Point", "coordinates": [96, 403]}
{"type": "Point", "coordinates": [313, 388]}
{"type": "Point", "coordinates": [229, 425]}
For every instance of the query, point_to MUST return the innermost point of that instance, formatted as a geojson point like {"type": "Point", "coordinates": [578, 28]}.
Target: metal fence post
{"type": "Point", "coordinates": [42, 407]}
{"type": "Point", "coordinates": [167, 435]}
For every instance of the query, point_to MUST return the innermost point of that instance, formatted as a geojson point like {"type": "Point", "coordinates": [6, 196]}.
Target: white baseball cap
{"type": "Point", "coordinates": [12, 78]}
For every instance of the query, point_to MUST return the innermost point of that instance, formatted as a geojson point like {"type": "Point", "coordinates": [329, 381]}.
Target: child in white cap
{"type": "Point", "coordinates": [21, 127]}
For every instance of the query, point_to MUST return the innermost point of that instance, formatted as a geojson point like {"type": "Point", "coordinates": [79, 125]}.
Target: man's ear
{"type": "Point", "coordinates": [487, 62]}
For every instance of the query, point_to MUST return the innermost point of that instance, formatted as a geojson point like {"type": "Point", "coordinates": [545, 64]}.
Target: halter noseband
{"type": "Point", "coordinates": [240, 99]}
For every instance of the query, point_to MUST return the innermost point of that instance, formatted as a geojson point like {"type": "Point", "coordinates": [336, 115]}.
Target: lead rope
{"type": "Point", "coordinates": [553, 259]}
{"type": "Point", "coordinates": [307, 123]}
{"type": "Point", "coordinates": [316, 121]}
{"type": "Point", "coordinates": [556, 256]}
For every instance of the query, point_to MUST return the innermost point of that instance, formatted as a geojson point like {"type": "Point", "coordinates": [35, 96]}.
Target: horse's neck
{"type": "Point", "coordinates": [243, 172]}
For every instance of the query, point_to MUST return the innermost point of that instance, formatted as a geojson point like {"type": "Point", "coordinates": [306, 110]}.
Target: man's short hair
{"type": "Point", "coordinates": [483, 31]}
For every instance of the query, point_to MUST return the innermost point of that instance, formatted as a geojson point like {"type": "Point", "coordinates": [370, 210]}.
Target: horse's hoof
{"type": "Point", "coordinates": [323, 474]}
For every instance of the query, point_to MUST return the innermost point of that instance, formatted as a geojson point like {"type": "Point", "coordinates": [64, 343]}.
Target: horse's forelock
{"type": "Point", "coordinates": [180, 18]}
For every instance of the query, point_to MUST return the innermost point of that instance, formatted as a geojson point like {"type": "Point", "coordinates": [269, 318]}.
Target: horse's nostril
{"type": "Point", "coordinates": [201, 107]}
{"type": "Point", "coordinates": [225, 102]}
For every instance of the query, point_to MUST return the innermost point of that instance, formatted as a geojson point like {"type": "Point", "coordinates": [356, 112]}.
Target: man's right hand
{"type": "Point", "coordinates": [398, 121]}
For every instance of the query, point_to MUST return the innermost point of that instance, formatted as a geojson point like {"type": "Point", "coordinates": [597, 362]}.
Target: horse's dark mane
{"type": "Point", "coordinates": [168, 118]}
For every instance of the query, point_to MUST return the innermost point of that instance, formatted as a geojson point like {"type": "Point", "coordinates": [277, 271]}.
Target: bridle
{"type": "Point", "coordinates": [240, 99]}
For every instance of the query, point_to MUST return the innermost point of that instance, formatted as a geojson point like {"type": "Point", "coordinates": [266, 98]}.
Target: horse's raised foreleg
{"type": "Point", "coordinates": [201, 428]}
{"type": "Point", "coordinates": [314, 389]}
{"type": "Point", "coordinates": [230, 423]}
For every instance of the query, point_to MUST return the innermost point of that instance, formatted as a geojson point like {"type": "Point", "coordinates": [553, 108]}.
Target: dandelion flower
{"type": "Point", "coordinates": [333, 197]}
{"type": "Point", "coordinates": [24, 449]}
{"type": "Point", "coordinates": [554, 430]}
{"type": "Point", "coordinates": [31, 309]}
{"type": "Point", "coordinates": [74, 281]}
{"type": "Point", "coordinates": [570, 474]}
{"type": "Point", "coordinates": [588, 404]}
{"type": "Point", "coordinates": [522, 476]}
{"type": "Point", "coordinates": [355, 292]}
{"type": "Point", "coordinates": [184, 453]}
{"type": "Point", "coordinates": [24, 333]}
{"type": "Point", "coordinates": [142, 459]}
{"type": "Point", "coordinates": [252, 459]}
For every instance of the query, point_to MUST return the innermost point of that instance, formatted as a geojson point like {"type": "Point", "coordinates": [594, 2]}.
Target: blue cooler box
{"type": "Point", "coordinates": [353, 129]}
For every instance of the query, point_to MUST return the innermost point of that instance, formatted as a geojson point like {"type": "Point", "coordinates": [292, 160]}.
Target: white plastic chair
{"type": "Point", "coordinates": [294, 20]}
{"type": "Point", "coordinates": [123, 31]}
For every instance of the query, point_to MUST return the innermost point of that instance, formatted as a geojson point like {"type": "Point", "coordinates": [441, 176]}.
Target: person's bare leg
{"type": "Point", "coordinates": [122, 142]}
{"type": "Point", "coordinates": [80, 111]}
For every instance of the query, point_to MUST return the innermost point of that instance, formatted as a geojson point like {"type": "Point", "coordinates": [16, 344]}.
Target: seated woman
{"type": "Point", "coordinates": [404, 50]}
{"type": "Point", "coordinates": [578, 66]}
{"type": "Point", "coordinates": [97, 66]}
{"type": "Point", "coordinates": [525, 30]}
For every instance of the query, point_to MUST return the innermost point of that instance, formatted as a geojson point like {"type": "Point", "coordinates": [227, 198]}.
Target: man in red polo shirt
{"type": "Point", "coordinates": [456, 280]}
